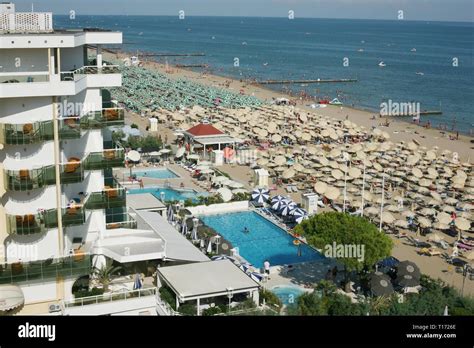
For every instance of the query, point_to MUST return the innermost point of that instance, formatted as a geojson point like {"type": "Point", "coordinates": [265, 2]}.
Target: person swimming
{"type": "Point", "coordinates": [246, 230]}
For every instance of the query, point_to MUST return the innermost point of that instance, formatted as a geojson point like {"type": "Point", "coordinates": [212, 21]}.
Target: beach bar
{"type": "Point", "coordinates": [209, 137]}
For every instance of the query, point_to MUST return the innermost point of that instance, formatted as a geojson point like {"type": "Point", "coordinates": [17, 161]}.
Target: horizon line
{"type": "Point", "coordinates": [271, 17]}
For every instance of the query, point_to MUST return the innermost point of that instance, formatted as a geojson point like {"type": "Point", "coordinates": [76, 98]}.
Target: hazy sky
{"type": "Point", "coordinates": [439, 10]}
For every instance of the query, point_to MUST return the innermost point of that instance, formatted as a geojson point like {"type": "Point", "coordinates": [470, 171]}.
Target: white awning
{"type": "Point", "coordinates": [206, 279]}
{"type": "Point", "coordinates": [217, 140]}
{"type": "Point", "coordinates": [128, 245]}
{"type": "Point", "coordinates": [11, 296]}
{"type": "Point", "coordinates": [177, 247]}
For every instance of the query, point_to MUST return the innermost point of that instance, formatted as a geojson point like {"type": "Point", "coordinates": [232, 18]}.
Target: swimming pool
{"type": "Point", "coordinates": [157, 174]}
{"type": "Point", "coordinates": [264, 241]}
{"type": "Point", "coordinates": [170, 194]}
{"type": "Point", "coordinates": [287, 294]}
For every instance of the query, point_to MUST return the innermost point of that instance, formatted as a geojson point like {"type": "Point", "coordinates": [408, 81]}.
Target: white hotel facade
{"type": "Point", "coordinates": [57, 194]}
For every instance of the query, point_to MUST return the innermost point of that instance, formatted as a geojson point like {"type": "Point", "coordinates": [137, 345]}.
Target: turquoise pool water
{"type": "Point", "coordinates": [287, 294]}
{"type": "Point", "coordinates": [264, 241]}
{"type": "Point", "coordinates": [157, 174]}
{"type": "Point", "coordinates": [169, 193]}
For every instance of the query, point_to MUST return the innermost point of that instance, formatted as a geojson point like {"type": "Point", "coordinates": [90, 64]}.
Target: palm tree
{"type": "Point", "coordinates": [104, 274]}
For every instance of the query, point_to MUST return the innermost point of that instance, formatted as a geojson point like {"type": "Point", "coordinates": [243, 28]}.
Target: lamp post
{"type": "Point", "coordinates": [381, 203]}
{"type": "Point", "coordinates": [217, 240]}
{"type": "Point", "coordinates": [230, 294]}
{"type": "Point", "coordinates": [465, 271]}
{"type": "Point", "coordinates": [363, 191]}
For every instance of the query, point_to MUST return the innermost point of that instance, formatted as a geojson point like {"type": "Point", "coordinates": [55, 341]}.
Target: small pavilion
{"type": "Point", "coordinates": [197, 281]}
{"type": "Point", "coordinates": [209, 137]}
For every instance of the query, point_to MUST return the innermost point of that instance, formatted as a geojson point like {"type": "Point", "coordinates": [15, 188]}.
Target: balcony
{"type": "Point", "coordinates": [119, 219]}
{"type": "Point", "coordinates": [131, 224]}
{"type": "Point", "coordinates": [25, 224]}
{"type": "Point", "coordinates": [70, 128]}
{"type": "Point", "coordinates": [105, 159]}
{"type": "Point", "coordinates": [72, 172]}
{"type": "Point", "coordinates": [71, 216]}
{"type": "Point", "coordinates": [28, 133]}
{"type": "Point", "coordinates": [27, 180]}
{"type": "Point", "coordinates": [109, 198]}
{"type": "Point", "coordinates": [77, 74]}
{"type": "Point", "coordinates": [104, 118]}
{"type": "Point", "coordinates": [79, 264]}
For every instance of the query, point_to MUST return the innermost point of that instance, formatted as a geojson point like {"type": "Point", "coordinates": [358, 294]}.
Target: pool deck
{"type": "Point", "coordinates": [184, 178]}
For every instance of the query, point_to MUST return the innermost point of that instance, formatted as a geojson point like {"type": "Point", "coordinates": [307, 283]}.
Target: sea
{"type": "Point", "coordinates": [430, 63]}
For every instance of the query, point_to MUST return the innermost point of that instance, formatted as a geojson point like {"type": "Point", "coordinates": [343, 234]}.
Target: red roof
{"type": "Point", "coordinates": [203, 130]}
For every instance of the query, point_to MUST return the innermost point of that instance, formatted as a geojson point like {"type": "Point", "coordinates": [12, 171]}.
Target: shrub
{"type": "Point", "coordinates": [211, 311]}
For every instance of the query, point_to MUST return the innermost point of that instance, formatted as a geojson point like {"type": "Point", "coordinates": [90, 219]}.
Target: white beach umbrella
{"type": "Point", "coordinates": [462, 224]}
{"type": "Point", "coordinates": [225, 193]}
{"type": "Point", "coordinates": [320, 187]}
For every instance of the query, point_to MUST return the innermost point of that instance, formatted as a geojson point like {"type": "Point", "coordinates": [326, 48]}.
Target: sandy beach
{"type": "Point", "coordinates": [399, 130]}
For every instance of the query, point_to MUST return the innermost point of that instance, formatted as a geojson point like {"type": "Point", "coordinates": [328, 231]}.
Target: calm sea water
{"type": "Point", "coordinates": [279, 48]}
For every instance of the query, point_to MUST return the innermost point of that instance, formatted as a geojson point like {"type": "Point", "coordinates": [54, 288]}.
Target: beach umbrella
{"type": "Point", "coordinates": [277, 202]}
{"type": "Point", "coordinates": [372, 211]}
{"type": "Point", "coordinates": [470, 255]}
{"type": "Point", "coordinates": [11, 297]}
{"type": "Point", "coordinates": [320, 187]}
{"type": "Point", "coordinates": [245, 266]}
{"type": "Point", "coordinates": [380, 285]}
{"type": "Point", "coordinates": [279, 160]}
{"type": "Point", "coordinates": [180, 152]}
{"type": "Point", "coordinates": [408, 268]}
{"type": "Point", "coordinates": [219, 179]}
{"type": "Point", "coordinates": [434, 237]}
{"type": "Point", "coordinates": [440, 226]}
{"type": "Point", "coordinates": [288, 174]}
{"type": "Point", "coordinates": [286, 207]}
{"type": "Point", "coordinates": [260, 195]}
{"type": "Point", "coordinates": [299, 214]}
{"type": "Point", "coordinates": [256, 276]}
{"type": "Point", "coordinates": [354, 172]}
{"type": "Point", "coordinates": [225, 193]}
{"type": "Point", "coordinates": [462, 224]}
{"type": "Point", "coordinates": [184, 228]}
{"type": "Point", "coordinates": [224, 257]}
{"type": "Point", "coordinates": [443, 218]}
{"type": "Point", "coordinates": [209, 246]}
{"type": "Point", "coordinates": [407, 281]}
{"type": "Point", "coordinates": [387, 217]}
{"type": "Point", "coordinates": [332, 193]}
{"type": "Point", "coordinates": [424, 222]}
{"type": "Point", "coordinates": [401, 223]}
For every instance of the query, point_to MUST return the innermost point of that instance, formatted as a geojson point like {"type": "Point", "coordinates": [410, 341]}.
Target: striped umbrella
{"type": "Point", "coordinates": [299, 214]}
{"type": "Point", "coordinates": [184, 228]}
{"type": "Point", "coordinates": [277, 202]}
{"type": "Point", "coordinates": [138, 283]}
{"type": "Point", "coordinates": [260, 195]}
{"type": "Point", "coordinates": [287, 207]}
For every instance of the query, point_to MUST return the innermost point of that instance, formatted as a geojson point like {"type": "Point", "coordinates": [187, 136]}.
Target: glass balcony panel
{"type": "Point", "coordinates": [70, 128]}
{"type": "Point", "coordinates": [72, 172]}
{"type": "Point", "coordinates": [109, 198]}
{"type": "Point", "coordinates": [105, 159]}
{"type": "Point", "coordinates": [28, 133]}
{"type": "Point", "coordinates": [25, 224]}
{"type": "Point", "coordinates": [29, 179]}
{"type": "Point", "coordinates": [46, 269]}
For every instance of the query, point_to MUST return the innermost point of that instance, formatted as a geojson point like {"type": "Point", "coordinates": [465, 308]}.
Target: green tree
{"type": "Point", "coordinates": [150, 143]}
{"type": "Point", "coordinates": [104, 275]}
{"type": "Point", "coordinates": [322, 230]}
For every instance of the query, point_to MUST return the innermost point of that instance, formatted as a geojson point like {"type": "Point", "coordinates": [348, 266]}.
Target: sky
{"type": "Point", "coordinates": [431, 10]}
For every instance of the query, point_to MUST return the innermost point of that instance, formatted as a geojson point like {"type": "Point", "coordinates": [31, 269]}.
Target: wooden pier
{"type": "Point", "coordinates": [192, 65]}
{"type": "Point", "coordinates": [289, 82]}
{"type": "Point", "coordinates": [421, 113]}
{"type": "Point", "coordinates": [172, 54]}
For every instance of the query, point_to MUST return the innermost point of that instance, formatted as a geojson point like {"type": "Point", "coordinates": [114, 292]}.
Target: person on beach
{"type": "Point", "coordinates": [266, 267]}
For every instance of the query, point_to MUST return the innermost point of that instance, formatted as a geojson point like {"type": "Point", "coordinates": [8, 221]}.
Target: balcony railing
{"type": "Point", "coordinates": [28, 133]}
{"type": "Point", "coordinates": [131, 224]}
{"type": "Point", "coordinates": [110, 297]}
{"type": "Point", "coordinates": [89, 70]}
{"type": "Point", "coordinates": [27, 180]}
{"type": "Point", "coordinates": [31, 179]}
{"type": "Point", "coordinates": [70, 128]}
{"type": "Point", "coordinates": [105, 159]}
{"type": "Point", "coordinates": [71, 216]}
{"type": "Point", "coordinates": [29, 77]}
{"type": "Point", "coordinates": [79, 264]}
{"type": "Point", "coordinates": [25, 224]}
{"type": "Point", "coordinates": [104, 118]}
{"type": "Point", "coordinates": [108, 198]}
